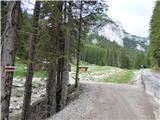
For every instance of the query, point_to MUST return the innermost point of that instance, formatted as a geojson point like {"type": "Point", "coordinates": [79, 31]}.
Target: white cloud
{"type": "Point", "coordinates": [133, 14]}
{"type": "Point", "coordinates": [28, 5]}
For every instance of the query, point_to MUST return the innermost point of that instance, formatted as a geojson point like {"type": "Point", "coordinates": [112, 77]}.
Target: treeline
{"type": "Point", "coordinates": [98, 50]}
{"type": "Point", "coordinates": [154, 47]}
{"type": "Point", "coordinates": [52, 34]}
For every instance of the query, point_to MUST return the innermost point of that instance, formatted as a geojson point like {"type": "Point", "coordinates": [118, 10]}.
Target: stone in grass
{"type": "Point", "coordinates": [35, 84]}
{"type": "Point", "coordinates": [18, 92]}
{"type": "Point", "coordinates": [42, 95]}
{"type": "Point", "coordinates": [18, 83]}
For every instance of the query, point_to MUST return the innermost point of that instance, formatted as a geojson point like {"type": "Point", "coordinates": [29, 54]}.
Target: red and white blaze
{"type": "Point", "coordinates": [9, 68]}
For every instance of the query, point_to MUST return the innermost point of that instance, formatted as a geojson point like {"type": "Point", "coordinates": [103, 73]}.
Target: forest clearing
{"type": "Point", "coordinates": [92, 83]}
{"type": "Point", "coordinates": [80, 60]}
{"type": "Point", "coordinates": [95, 73]}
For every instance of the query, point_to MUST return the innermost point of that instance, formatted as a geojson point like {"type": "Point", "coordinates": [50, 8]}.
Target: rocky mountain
{"type": "Point", "coordinates": [114, 31]}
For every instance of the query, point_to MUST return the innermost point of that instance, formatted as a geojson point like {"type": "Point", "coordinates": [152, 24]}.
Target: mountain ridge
{"type": "Point", "coordinates": [114, 31]}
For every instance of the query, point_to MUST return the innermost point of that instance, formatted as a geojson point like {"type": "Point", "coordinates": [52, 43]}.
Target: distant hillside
{"type": "Point", "coordinates": [114, 31]}
{"type": "Point", "coordinates": [98, 50]}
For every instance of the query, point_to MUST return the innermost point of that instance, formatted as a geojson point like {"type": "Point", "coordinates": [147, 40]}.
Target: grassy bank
{"type": "Point", "coordinates": [21, 71]}
{"type": "Point", "coordinates": [121, 77]}
{"type": "Point", "coordinates": [156, 69]}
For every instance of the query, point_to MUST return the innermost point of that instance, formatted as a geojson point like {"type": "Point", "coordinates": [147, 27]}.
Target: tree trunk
{"type": "Point", "coordinates": [54, 72]}
{"type": "Point", "coordinates": [28, 83]}
{"type": "Point", "coordinates": [60, 70]}
{"type": "Point", "coordinates": [8, 55]}
{"type": "Point", "coordinates": [63, 73]}
{"type": "Point", "coordinates": [78, 47]}
{"type": "Point", "coordinates": [65, 77]}
{"type": "Point", "coordinates": [51, 89]}
{"type": "Point", "coordinates": [4, 11]}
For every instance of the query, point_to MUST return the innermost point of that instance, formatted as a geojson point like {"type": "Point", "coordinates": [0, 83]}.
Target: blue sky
{"type": "Point", "coordinates": [134, 15]}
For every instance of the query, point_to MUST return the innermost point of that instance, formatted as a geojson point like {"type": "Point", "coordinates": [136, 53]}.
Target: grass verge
{"type": "Point", "coordinates": [156, 69]}
{"type": "Point", "coordinates": [21, 71]}
{"type": "Point", "coordinates": [123, 76]}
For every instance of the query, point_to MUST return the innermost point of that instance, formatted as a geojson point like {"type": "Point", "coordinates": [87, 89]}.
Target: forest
{"type": "Point", "coordinates": [109, 53]}
{"type": "Point", "coordinates": [55, 36]}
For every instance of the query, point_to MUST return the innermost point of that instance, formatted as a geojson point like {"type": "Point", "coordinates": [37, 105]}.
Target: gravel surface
{"type": "Point", "coordinates": [151, 82]}
{"type": "Point", "coordinates": [38, 91]}
{"type": "Point", "coordinates": [107, 101]}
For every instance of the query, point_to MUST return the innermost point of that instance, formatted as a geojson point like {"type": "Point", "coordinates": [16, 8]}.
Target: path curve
{"type": "Point", "coordinates": [107, 101]}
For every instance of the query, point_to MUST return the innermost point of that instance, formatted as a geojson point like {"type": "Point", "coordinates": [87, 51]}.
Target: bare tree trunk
{"type": "Point", "coordinates": [78, 47]}
{"type": "Point", "coordinates": [51, 89]}
{"type": "Point", "coordinates": [60, 70]}
{"type": "Point", "coordinates": [8, 55]}
{"type": "Point", "coordinates": [28, 83]}
{"type": "Point", "coordinates": [54, 72]}
{"type": "Point", "coordinates": [60, 59]}
{"type": "Point", "coordinates": [63, 73]}
{"type": "Point", "coordinates": [64, 86]}
{"type": "Point", "coordinates": [59, 84]}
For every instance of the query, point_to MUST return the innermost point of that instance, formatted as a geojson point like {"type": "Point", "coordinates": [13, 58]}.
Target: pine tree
{"type": "Point", "coordinates": [23, 36]}
{"type": "Point", "coordinates": [9, 38]}
{"type": "Point", "coordinates": [3, 15]}
{"type": "Point", "coordinates": [78, 45]}
{"type": "Point", "coordinates": [155, 33]}
{"type": "Point", "coordinates": [29, 76]}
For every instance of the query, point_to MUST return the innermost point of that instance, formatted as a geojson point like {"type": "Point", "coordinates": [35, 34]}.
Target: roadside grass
{"type": "Point", "coordinates": [123, 76]}
{"type": "Point", "coordinates": [156, 68]}
{"type": "Point", "coordinates": [100, 68]}
{"type": "Point", "coordinates": [40, 73]}
{"type": "Point", "coordinates": [21, 71]}
{"type": "Point", "coordinates": [92, 69]}
{"type": "Point", "coordinates": [95, 68]}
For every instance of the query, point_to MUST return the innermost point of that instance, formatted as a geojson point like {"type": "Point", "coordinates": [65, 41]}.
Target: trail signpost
{"type": "Point", "coordinates": [9, 68]}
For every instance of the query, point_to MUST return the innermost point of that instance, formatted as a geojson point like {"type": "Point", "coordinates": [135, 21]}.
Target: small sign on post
{"type": "Point", "coordinates": [9, 68]}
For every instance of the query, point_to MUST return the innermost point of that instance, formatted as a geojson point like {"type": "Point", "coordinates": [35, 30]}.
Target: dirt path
{"type": "Point", "coordinates": [106, 101]}
{"type": "Point", "coordinates": [151, 80]}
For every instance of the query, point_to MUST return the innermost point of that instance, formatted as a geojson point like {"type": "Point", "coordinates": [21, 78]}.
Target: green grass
{"type": "Point", "coordinates": [123, 76]}
{"type": "Point", "coordinates": [92, 68]}
{"type": "Point", "coordinates": [156, 69]}
{"type": "Point", "coordinates": [21, 71]}
{"type": "Point", "coordinates": [40, 73]}
{"type": "Point", "coordinates": [83, 63]}
{"type": "Point", "coordinates": [100, 68]}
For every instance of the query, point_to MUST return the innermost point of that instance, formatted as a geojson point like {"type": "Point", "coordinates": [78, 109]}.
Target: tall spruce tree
{"type": "Point", "coordinates": [155, 33]}
{"type": "Point", "coordinates": [78, 44]}
{"type": "Point", "coordinates": [8, 52]}
{"type": "Point", "coordinates": [29, 76]}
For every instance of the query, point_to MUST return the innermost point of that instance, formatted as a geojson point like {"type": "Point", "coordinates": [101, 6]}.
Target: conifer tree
{"type": "Point", "coordinates": [155, 33]}
{"type": "Point", "coordinates": [8, 53]}
{"type": "Point", "coordinates": [29, 76]}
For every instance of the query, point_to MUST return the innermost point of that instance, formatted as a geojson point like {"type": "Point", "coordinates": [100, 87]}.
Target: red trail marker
{"type": "Point", "coordinates": [9, 68]}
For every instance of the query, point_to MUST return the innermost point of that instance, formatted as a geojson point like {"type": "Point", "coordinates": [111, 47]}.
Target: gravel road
{"type": "Point", "coordinates": [151, 82]}
{"type": "Point", "coordinates": [107, 101]}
